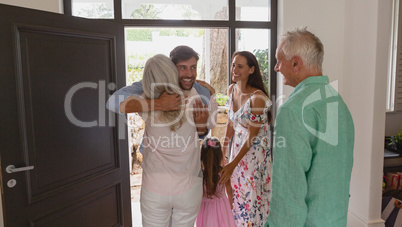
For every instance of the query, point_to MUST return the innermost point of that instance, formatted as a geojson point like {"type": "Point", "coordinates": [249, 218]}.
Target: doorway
{"type": "Point", "coordinates": [214, 29]}
{"type": "Point", "coordinates": [212, 46]}
{"type": "Point", "coordinates": [143, 43]}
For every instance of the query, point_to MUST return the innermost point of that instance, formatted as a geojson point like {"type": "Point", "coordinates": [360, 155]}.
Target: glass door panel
{"type": "Point", "coordinates": [253, 10]}
{"type": "Point", "coordinates": [210, 43]}
{"type": "Point", "coordinates": [177, 10]}
{"type": "Point", "coordinates": [95, 9]}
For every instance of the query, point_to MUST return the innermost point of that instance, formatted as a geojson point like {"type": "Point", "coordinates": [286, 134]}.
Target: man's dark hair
{"type": "Point", "coordinates": [182, 53]}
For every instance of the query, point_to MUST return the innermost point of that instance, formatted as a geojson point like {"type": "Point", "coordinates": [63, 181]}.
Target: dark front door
{"type": "Point", "coordinates": [56, 72]}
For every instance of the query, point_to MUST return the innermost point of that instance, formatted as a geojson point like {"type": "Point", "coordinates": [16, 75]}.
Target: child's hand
{"type": "Point", "coordinates": [229, 192]}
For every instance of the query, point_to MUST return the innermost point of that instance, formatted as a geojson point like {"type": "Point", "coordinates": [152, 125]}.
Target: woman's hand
{"type": "Point", "coordinates": [207, 85]}
{"type": "Point", "coordinates": [225, 155]}
{"type": "Point", "coordinates": [169, 102]}
{"type": "Point", "coordinates": [226, 173]}
{"type": "Point", "coordinates": [200, 116]}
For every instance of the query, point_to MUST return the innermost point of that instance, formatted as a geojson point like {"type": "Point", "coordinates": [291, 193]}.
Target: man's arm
{"type": "Point", "coordinates": [166, 102]}
{"type": "Point", "coordinates": [114, 101]}
{"type": "Point", "coordinates": [128, 100]}
{"type": "Point", "coordinates": [292, 160]}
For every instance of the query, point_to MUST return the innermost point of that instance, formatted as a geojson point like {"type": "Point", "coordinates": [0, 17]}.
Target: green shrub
{"type": "Point", "coordinates": [221, 99]}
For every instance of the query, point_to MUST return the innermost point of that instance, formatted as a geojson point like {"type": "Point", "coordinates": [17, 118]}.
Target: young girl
{"type": "Point", "coordinates": [216, 207]}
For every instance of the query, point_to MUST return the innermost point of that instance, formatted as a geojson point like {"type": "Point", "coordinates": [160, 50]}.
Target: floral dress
{"type": "Point", "coordinates": [251, 180]}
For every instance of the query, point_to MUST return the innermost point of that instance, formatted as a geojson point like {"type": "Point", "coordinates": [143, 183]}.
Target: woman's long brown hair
{"type": "Point", "coordinates": [255, 79]}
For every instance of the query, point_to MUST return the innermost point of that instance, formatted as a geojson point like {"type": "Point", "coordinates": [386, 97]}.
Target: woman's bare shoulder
{"type": "Point", "coordinates": [230, 89]}
{"type": "Point", "coordinates": [259, 98]}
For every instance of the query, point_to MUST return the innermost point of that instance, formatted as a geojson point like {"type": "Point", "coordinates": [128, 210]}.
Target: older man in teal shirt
{"type": "Point", "coordinates": [313, 141]}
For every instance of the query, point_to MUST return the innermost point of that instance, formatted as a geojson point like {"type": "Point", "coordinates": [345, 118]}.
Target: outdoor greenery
{"type": "Point", "coordinates": [221, 99]}
{"type": "Point", "coordinates": [147, 11]}
{"type": "Point", "coordinates": [136, 61]}
{"type": "Point", "coordinates": [95, 11]}
{"type": "Point", "coordinates": [184, 32]}
{"type": "Point", "coordinates": [395, 141]}
{"type": "Point", "coordinates": [135, 67]}
{"type": "Point", "coordinates": [263, 62]}
{"type": "Point", "coordinates": [154, 11]}
{"type": "Point", "coordinates": [145, 34]}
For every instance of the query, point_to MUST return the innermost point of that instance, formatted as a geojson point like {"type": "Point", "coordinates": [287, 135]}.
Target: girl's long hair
{"type": "Point", "coordinates": [211, 159]}
{"type": "Point", "coordinates": [160, 75]}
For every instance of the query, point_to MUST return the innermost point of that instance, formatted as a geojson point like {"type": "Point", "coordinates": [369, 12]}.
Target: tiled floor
{"type": "Point", "coordinates": [135, 199]}
{"type": "Point", "coordinates": [136, 214]}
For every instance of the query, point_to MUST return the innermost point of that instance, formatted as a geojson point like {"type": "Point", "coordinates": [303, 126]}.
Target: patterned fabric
{"type": "Point", "coordinates": [251, 180]}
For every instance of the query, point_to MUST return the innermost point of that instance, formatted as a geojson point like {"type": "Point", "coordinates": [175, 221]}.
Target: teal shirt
{"type": "Point", "coordinates": [312, 158]}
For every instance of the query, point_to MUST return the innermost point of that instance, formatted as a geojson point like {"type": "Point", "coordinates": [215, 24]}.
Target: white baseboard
{"type": "Point", "coordinates": [355, 221]}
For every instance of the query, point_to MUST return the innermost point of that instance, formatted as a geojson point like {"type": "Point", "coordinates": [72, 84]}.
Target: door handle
{"type": "Point", "coordinates": [12, 169]}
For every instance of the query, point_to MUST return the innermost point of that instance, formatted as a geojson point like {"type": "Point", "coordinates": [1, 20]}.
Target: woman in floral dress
{"type": "Point", "coordinates": [250, 163]}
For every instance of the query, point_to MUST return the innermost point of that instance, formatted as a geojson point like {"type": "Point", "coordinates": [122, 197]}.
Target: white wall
{"type": "Point", "coordinates": [393, 123]}
{"type": "Point", "coordinates": [356, 47]}
{"type": "Point", "coordinates": [325, 18]}
{"type": "Point", "coordinates": [55, 6]}
{"type": "Point", "coordinates": [367, 33]}
{"type": "Point", "coordinates": [355, 43]}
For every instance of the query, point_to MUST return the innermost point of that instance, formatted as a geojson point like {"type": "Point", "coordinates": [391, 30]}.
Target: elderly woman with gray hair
{"type": "Point", "coordinates": [171, 180]}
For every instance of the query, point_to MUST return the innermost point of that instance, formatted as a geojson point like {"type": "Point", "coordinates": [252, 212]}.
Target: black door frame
{"type": "Point", "coordinates": [231, 24]}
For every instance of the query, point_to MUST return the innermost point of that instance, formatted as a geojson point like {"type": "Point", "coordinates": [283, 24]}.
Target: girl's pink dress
{"type": "Point", "coordinates": [215, 211]}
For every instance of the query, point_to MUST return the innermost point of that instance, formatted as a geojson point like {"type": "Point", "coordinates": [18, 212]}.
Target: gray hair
{"type": "Point", "coordinates": [160, 75]}
{"type": "Point", "coordinates": [302, 43]}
